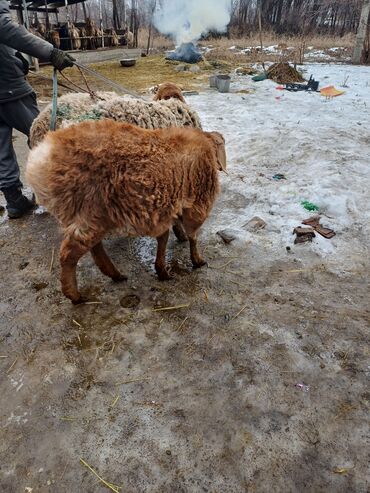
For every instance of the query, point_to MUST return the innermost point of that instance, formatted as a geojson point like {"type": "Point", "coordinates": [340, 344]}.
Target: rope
{"type": "Point", "coordinates": [53, 118]}
{"type": "Point", "coordinates": [92, 94]}
{"type": "Point", "coordinates": [108, 81]}
{"type": "Point", "coordinates": [81, 89]}
{"type": "Point", "coordinates": [43, 77]}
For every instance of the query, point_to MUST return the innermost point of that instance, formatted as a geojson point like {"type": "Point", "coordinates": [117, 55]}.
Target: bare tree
{"type": "Point", "coordinates": [152, 8]}
{"type": "Point", "coordinates": [361, 33]}
{"type": "Point", "coordinates": [116, 19]}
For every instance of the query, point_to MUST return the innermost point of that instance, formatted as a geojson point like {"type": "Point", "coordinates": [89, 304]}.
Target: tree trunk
{"type": "Point", "coordinates": [361, 33]}
{"type": "Point", "coordinates": [116, 20]}
{"type": "Point", "coordinates": [151, 25]}
{"type": "Point", "coordinates": [84, 10]}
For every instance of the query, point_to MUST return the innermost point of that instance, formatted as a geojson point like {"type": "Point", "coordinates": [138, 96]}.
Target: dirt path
{"type": "Point", "coordinates": [204, 398]}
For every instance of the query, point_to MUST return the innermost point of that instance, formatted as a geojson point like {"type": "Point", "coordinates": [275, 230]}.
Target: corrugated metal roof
{"type": "Point", "coordinates": [41, 3]}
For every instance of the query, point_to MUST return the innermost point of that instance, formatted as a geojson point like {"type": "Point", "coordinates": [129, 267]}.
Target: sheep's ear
{"type": "Point", "coordinates": [219, 143]}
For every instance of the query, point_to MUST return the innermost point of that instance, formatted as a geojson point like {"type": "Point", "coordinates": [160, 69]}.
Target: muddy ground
{"type": "Point", "coordinates": [258, 383]}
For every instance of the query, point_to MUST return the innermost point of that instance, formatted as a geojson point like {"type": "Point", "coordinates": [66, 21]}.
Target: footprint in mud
{"type": "Point", "coordinates": [39, 285]}
{"type": "Point", "coordinates": [130, 301]}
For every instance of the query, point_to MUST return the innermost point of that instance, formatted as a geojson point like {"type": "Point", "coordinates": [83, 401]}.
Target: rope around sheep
{"type": "Point", "coordinates": [81, 68]}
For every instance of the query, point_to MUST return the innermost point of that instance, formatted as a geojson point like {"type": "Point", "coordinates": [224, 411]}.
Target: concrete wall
{"type": "Point", "coordinates": [102, 55]}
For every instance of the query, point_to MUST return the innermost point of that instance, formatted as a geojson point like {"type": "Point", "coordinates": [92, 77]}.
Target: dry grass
{"type": "Point", "coordinates": [148, 72]}
{"type": "Point", "coordinates": [270, 39]}
{"type": "Point", "coordinates": [320, 42]}
{"type": "Point", "coordinates": [291, 48]}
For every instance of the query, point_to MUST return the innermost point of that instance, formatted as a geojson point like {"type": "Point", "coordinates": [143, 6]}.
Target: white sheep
{"type": "Point", "coordinates": [78, 107]}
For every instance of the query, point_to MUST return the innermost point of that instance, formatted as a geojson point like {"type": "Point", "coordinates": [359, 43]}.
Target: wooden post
{"type": "Point", "coordinates": [47, 16]}
{"type": "Point", "coordinates": [25, 14]}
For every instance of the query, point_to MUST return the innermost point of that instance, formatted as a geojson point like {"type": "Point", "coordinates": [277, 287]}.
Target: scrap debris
{"type": "Point", "coordinates": [331, 92]}
{"type": "Point", "coordinates": [303, 235]}
{"type": "Point", "coordinates": [279, 177]}
{"type": "Point", "coordinates": [303, 386]}
{"type": "Point", "coordinates": [227, 235]}
{"type": "Point", "coordinates": [255, 224]}
{"type": "Point", "coordinates": [307, 234]}
{"type": "Point", "coordinates": [309, 206]}
{"type": "Point", "coordinates": [311, 86]}
{"type": "Point", "coordinates": [314, 222]}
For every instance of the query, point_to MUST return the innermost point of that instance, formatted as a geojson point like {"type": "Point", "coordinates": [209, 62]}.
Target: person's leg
{"type": "Point", "coordinates": [9, 170]}
{"type": "Point", "coordinates": [20, 114]}
{"type": "Point", "coordinates": [17, 114]}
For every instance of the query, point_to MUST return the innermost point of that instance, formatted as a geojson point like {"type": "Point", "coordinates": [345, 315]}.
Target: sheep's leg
{"type": "Point", "coordinates": [179, 230]}
{"type": "Point", "coordinates": [191, 227]}
{"type": "Point", "coordinates": [105, 264]}
{"type": "Point", "coordinates": [161, 269]}
{"type": "Point", "coordinates": [71, 251]}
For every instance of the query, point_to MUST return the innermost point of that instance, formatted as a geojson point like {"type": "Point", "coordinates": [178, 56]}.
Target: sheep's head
{"type": "Point", "coordinates": [168, 90]}
{"type": "Point", "coordinates": [219, 145]}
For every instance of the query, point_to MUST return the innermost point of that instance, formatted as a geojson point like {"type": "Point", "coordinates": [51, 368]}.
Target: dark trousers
{"type": "Point", "coordinates": [18, 114]}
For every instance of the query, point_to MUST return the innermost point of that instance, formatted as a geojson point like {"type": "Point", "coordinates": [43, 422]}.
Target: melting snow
{"type": "Point", "coordinates": [322, 147]}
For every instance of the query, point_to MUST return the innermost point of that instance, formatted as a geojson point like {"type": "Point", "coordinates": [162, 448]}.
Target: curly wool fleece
{"type": "Point", "coordinates": [73, 108]}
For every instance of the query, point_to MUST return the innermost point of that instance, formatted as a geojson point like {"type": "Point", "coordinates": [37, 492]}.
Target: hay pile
{"type": "Point", "coordinates": [283, 73]}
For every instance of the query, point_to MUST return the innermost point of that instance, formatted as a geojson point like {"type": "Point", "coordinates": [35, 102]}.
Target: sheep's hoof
{"type": "Point", "coordinates": [199, 263]}
{"type": "Point", "coordinates": [120, 278]}
{"type": "Point", "coordinates": [165, 275]}
{"type": "Point", "coordinates": [80, 300]}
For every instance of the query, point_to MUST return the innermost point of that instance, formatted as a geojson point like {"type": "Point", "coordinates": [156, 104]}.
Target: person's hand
{"type": "Point", "coordinates": [60, 59]}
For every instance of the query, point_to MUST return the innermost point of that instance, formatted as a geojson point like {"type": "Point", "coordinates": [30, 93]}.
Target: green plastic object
{"type": "Point", "coordinates": [259, 77]}
{"type": "Point", "coordinates": [309, 206]}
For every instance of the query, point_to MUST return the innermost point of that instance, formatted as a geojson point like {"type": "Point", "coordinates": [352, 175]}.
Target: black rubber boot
{"type": "Point", "coordinates": [17, 204]}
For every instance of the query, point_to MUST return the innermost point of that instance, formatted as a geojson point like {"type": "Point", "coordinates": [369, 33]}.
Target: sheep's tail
{"type": "Point", "coordinates": [38, 165]}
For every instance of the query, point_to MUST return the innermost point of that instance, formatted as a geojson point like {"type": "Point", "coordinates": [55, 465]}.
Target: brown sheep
{"type": "Point", "coordinates": [53, 38]}
{"type": "Point", "coordinates": [105, 176]}
{"type": "Point", "coordinates": [91, 33]}
{"type": "Point", "coordinates": [168, 90]}
{"type": "Point", "coordinates": [74, 35]}
{"type": "Point", "coordinates": [165, 91]}
{"type": "Point", "coordinates": [83, 37]}
{"type": "Point", "coordinates": [41, 28]}
{"type": "Point", "coordinates": [128, 39]}
{"type": "Point", "coordinates": [114, 41]}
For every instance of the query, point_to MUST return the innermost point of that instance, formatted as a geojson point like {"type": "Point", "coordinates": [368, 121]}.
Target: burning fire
{"type": "Point", "coordinates": [186, 52]}
{"type": "Point", "coordinates": [187, 20]}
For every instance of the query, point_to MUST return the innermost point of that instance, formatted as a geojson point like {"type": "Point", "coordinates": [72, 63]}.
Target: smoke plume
{"type": "Point", "coordinates": [187, 20]}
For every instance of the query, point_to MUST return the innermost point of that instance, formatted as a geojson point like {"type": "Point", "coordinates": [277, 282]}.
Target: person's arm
{"type": "Point", "coordinates": [19, 38]}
